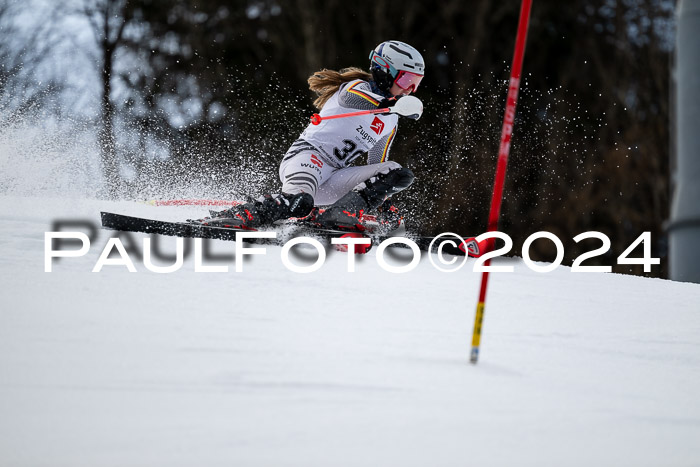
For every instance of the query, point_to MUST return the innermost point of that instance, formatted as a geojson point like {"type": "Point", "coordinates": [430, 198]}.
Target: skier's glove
{"type": "Point", "coordinates": [409, 106]}
{"type": "Point", "coordinates": [388, 102]}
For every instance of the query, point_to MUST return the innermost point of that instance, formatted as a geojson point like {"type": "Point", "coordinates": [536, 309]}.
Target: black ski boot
{"type": "Point", "coordinates": [346, 213]}
{"type": "Point", "coordinates": [262, 211]}
{"type": "Point", "coordinates": [388, 218]}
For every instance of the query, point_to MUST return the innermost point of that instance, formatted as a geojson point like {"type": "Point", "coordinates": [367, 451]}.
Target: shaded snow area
{"type": "Point", "coordinates": [268, 367]}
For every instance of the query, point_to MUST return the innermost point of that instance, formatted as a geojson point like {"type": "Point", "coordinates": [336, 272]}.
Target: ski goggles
{"type": "Point", "coordinates": [408, 81]}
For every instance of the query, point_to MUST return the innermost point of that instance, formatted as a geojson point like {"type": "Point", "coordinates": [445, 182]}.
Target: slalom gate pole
{"type": "Point", "coordinates": [316, 118]}
{"type": "Point", "coordinates": [502, 164]}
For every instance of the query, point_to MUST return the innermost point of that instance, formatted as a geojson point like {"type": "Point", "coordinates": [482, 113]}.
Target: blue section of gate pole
{"type": "Point", "coordinates": [684, 227]}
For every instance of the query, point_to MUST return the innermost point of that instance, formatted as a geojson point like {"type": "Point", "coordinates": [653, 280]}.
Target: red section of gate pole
{"type": "Point", "coordinates": [503, 152]}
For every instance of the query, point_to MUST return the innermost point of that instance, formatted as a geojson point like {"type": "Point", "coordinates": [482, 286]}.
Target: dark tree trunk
{"type": "Point", "coordinates": [106, 140]}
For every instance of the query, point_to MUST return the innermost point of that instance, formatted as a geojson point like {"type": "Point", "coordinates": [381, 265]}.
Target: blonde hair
{"type": "Point", "coordinates": [325, 82]}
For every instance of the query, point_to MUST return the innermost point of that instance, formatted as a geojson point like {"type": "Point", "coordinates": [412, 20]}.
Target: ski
{"type": "Point", "coordinates": [285, 231]}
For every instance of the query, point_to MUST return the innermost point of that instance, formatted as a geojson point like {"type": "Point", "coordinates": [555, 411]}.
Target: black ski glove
{"type": "Point", "coordinates": [388, 102]}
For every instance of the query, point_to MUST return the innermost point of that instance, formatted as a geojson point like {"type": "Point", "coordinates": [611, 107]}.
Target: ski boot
{"type": "Point", "coordinates": [388, 218]}
{"type": "Point", "coordinates": [347, 212]}
{"type": "Point", "coordinates": [262, 211]}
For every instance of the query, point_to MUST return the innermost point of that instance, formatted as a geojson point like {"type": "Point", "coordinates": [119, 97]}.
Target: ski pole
{"type": "Point", "coordinates": [502, 164]}
{"type": "Point", "coordinates": [316, 118]}
{"type": "Point", "coordinates": [407, 106]}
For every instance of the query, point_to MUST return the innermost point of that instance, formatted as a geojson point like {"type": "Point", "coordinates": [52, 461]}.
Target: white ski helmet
{"type": "Point", "coordinates": [396, 62]}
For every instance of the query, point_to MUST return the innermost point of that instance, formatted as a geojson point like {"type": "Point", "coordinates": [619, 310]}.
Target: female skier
{"type": "Point", "coordinates": [316, 169]}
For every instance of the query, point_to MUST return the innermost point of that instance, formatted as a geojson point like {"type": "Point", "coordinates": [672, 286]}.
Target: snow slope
{"type": "Point", "coordinates": [271, 367]}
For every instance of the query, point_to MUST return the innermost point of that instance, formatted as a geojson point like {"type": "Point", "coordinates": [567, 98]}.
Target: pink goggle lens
{"type": "Point", "coordinates": [408, 81]}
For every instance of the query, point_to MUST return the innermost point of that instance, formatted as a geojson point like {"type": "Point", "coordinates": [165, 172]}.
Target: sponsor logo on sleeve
{"type": "Point", "coordinates": [316, 161]}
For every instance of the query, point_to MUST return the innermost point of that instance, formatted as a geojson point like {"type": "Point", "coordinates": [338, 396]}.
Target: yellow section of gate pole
{"type": "Point", "coordinates": [476, 337]}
